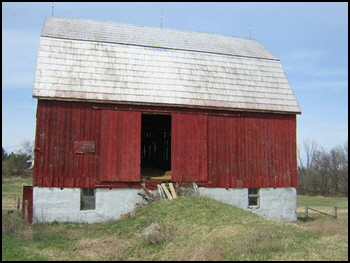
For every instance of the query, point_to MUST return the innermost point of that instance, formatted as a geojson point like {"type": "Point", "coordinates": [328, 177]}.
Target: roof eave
{"type": "Point", "coordinates": [128, 103]}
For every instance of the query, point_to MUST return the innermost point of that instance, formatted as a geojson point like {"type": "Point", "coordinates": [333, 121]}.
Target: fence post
{"type": "Point", "coordinates": [18, 203]}
{"type": "Point", "coordinates": [306, 212]}
{"type": "Point", "coordinates": [26, 212]}
{"type": "Point", "coordinates": [335, 212]}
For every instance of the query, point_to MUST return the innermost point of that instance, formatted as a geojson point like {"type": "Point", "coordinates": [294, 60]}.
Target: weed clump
{"type": "Point", "coordinates": [13, 226]}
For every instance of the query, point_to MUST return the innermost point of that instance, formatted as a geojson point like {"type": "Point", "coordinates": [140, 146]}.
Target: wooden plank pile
{"type": "Point", "coordinates": [168, 191]}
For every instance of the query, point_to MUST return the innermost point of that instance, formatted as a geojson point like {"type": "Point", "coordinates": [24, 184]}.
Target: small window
{"type": "Point", "coordinates": [87, 199]}
{"type": "Point", "coordinates": [253, 197]}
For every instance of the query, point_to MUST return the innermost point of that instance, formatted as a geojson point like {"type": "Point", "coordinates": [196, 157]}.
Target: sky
{"type": "Point", "coordinates": [310, 39]}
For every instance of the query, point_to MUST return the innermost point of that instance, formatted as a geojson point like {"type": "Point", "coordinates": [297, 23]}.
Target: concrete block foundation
{"type": "Point", "coordinates": [63, 204]}
{"type": "Point", "coordinates": [274, 203]}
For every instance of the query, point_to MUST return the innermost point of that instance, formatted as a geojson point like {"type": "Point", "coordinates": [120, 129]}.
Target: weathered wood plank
{"type": "Point", "coordinates": [172, 190]}
{"type": "Point", "coordinates": [161, 192]}
{"type": "Point", "coordinates": [148, 193]}
{"type": "Point", "coordinates": [168, 194]}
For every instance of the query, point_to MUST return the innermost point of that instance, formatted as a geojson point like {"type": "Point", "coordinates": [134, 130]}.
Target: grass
{"type": "Point", "coordinates": [331, 229]}
{"type": "Point", "coordinates": [12, 189]}
{"type": "Point", "coordinates": [190, 228]}
{"type": "Point", "coordinates": [12, 250]}
{"type": "Point", "coordinates": [322, 201]}
{"type": "Point", "coordinates": [323, 204]}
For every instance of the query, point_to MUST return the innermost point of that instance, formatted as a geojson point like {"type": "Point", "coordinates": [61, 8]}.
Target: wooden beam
{"type": "Point", "coordinates": [148, 193]}
{"type": "Point", "coordinates": [172, 190]}
{"type": "Point", "coordinates": [195, 187]}
{"type": "Point", "coordinates": [161, 192]}
{"type": "Point", "coordinates": [166, 191]}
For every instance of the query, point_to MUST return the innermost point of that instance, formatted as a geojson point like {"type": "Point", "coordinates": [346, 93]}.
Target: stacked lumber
{"type": "Point", "coordinates": [168, 191]}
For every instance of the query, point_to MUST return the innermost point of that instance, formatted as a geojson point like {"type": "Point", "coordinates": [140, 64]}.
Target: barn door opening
{"type": "Point", "coordinates": [155, 146]}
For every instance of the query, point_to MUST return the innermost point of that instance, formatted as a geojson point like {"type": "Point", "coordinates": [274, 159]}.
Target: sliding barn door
{"type": "Point", "coordinates": [120, 146]}
{"type": "Point", "coordinates": [189, 147]}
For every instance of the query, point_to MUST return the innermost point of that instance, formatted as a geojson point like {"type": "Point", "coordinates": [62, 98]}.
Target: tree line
{"type": "Point", "coordinates": [322, 172]}
{"type": "Point", "coordinates": [18, 163]}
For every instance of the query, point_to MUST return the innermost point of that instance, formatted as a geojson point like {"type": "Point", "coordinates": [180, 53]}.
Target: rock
{"type": "Point", "coordinates": [153, 234]}
{"type": "Point", "coordinates": [151, 230]}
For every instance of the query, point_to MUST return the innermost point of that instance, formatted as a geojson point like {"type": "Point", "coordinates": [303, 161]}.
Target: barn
{"type": "Point", "coordinates": [120, 104]}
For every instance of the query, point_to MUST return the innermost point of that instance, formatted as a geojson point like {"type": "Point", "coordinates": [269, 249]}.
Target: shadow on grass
{"type": "Point", "coordinates": [304, 219]}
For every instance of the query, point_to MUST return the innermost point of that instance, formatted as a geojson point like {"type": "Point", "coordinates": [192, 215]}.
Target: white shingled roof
{"type": "Point", "coordinates": [82, 59]}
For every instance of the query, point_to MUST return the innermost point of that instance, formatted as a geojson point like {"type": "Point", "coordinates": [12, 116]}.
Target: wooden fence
{"type": "Point", "coordinates": [11, 201]}
{"type": "Point", "coordinates": [307, 208]}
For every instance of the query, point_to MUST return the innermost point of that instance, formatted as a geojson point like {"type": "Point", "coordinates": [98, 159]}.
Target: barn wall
{"type": "Point", "coordinates": [63, 204]}
{"type": "Point", "coordinates": [120, 146]}
{"type": "Point", "coordinates": [64, 129]}
{"type": "Point", "coordinates": [277, 203]}
{"type": "Point", "coordinates": [189, 147]}
{"type": "Point", "coordinates": [59, 126]}
{"type": "Point", "coordinates": [255, 150]}
{"type": "Point", "coordinates": [90, 145]}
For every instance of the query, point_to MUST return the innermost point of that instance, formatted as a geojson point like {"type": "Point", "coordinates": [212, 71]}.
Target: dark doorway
{"type": "Point", "coordinates": [155, 145]}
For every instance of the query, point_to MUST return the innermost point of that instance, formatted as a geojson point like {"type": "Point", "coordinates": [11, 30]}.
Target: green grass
{"type": "Point", "coordinates": [12, 250]}
{"type": "Point", "coordinates": [321, 201]}
{"type": "Point", "coordinates": [13, 184]}
{"type": "Point", "coordinates": [12, 190]}
{"type": "Point", "coordinates": [191, 229]}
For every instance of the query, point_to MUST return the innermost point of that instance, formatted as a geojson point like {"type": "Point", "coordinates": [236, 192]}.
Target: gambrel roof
{"type": "Point", "coordinates": [101, 61]}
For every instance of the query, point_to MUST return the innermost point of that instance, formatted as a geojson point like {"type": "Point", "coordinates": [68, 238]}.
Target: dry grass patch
{"type": "Point", "coordinates": [50, 254]}
{"type": "Point", "coordinates": [202, 251]}
{"type": "Point", "coordinates": [326, 225]}
{"type": "Point", "coordinates": [103, 248]}
{"type": "Point", "coordinates": [203, 244]}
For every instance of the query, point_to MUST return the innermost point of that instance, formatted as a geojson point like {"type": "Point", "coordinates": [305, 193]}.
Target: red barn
{"type": "Point", "coordinates": [118, 101]}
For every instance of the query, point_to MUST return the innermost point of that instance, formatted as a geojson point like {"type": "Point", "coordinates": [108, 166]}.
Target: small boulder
{"type": "Point", "coordinates": [152, 233]}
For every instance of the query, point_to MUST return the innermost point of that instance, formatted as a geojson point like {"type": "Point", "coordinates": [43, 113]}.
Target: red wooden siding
{"type": "Point", "coordinates": [189, 147]}
{"type": "Point", "coordinates": [27, 195]}
{"type": "Point", "coordinates": [60, 125]}
{"type": "Point", "coordinates": [88, 145]}
{"type": "Point", "coordinates": [222, 150]}
{"type": "Point", "coordinates": [252, 151]}
{"type": "Point", "coordinates": [120, 146]}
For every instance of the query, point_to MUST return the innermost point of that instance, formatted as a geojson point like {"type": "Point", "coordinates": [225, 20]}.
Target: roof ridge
{"type": "Point", "coordinates": [150, 27]}
{"type": "Point", "coordinates": [124, 33]}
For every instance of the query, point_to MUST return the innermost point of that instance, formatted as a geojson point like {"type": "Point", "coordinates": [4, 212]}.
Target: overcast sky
{"type": "Point", "coordinates": [310, 39]}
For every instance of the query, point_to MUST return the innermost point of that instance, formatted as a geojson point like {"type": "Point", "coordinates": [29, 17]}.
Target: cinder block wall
{"type": "Point", "coordinates": [274, 203]}
{"type": "Point", "coordinates": [63, 204]}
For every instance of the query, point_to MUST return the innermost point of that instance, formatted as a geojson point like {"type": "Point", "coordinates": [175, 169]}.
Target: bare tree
{"type": "Point", "coordinates": [311, 148]}
{"type": "Point", "coordinates": [28, 147]}
{"type": "Point", "coordinates": [18, 163]}
{"type": "Point", "coordinates": [307, 156]}
{"type": "Point", "coordinates": [324, 172]}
